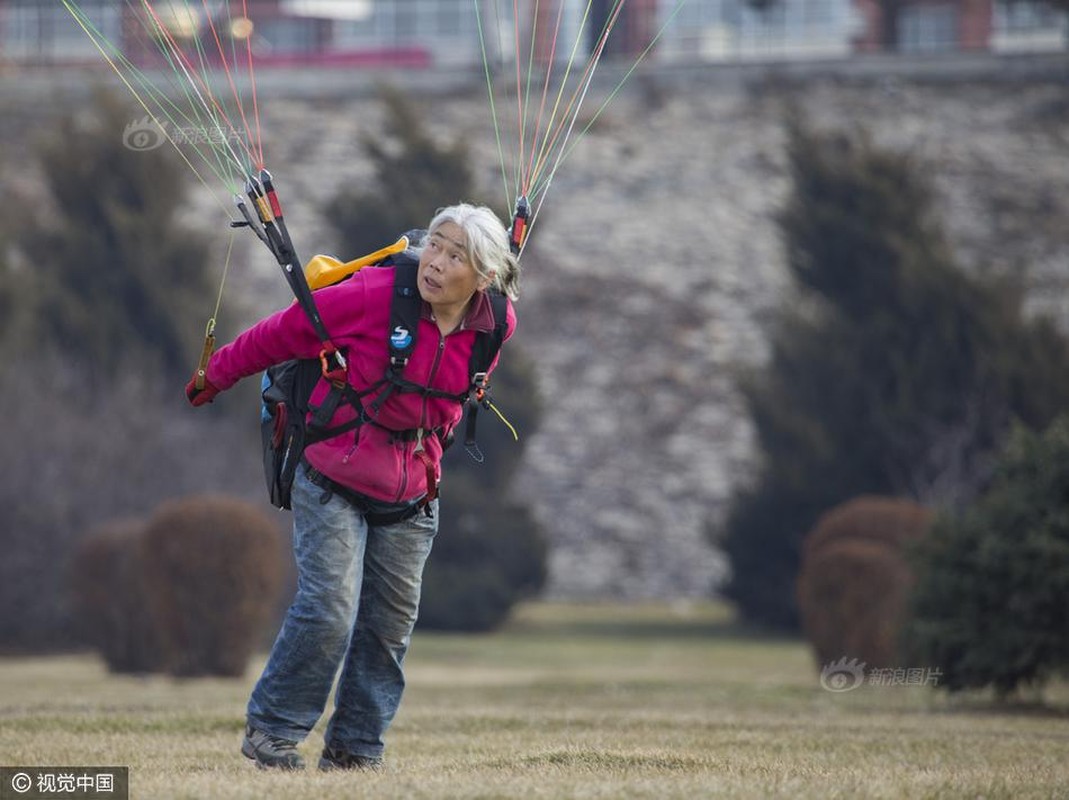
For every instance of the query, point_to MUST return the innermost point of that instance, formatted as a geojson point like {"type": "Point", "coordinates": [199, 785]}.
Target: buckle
{"type": "Point", "coordinates": [336, 373]}
{"type": "Point", "coordinates": [480, 384]}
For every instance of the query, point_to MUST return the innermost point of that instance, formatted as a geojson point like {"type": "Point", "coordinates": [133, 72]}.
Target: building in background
{"type": "Point", "coordinates": [734, 30]}
{"type": "Point", "coordinates": [453, 34]}
{"type": "Point", "coordinates": [946, 26]}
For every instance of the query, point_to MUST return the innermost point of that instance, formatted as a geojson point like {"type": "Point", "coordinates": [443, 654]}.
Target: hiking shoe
{"type": "Point", "coordinates": [270, 752]}
{"type": "Point", "coordinates": [336, 758]}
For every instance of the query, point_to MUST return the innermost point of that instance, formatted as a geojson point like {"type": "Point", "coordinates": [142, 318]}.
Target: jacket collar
{"type": "Point", "coordinates": [480, 315]}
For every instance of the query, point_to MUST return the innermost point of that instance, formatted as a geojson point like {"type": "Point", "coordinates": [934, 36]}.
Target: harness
{"type": "Point", "coordinates": [288, 387]}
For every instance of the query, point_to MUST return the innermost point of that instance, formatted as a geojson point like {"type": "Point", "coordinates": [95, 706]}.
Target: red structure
{"type": "Point", "coordinates": [975, 24]}
{"type": "Point", "coordinates": [636, 28]}
{"type": "Point", "coordinates": [924, 24]}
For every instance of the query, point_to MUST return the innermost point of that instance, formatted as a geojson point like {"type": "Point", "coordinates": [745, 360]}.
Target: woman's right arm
{"type": "Point", "coordinates": [284, 335]}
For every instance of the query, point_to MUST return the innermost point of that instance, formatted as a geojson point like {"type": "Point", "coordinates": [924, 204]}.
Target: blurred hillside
{"type": "Point", "coordinates": [652, 271]}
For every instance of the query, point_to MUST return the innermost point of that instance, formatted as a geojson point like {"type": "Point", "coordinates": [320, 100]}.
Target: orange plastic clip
{"type": "Point", "coordinates": [336, 374]}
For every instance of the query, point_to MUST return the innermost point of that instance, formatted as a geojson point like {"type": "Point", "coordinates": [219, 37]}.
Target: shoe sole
{"type": "Point", "coordinates": [326, 765]}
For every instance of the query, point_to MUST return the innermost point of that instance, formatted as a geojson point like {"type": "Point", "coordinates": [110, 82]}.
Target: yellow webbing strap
{"type": "Point", "coordinates": [205, 356]}
{"type": "Point", "coordinates": [326, 270]}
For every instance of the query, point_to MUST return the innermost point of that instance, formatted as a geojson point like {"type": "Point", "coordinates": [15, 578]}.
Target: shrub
{"type": "Point", "coordinates": [487, 556]}
{"type": "Point", "coordinates": [854, 579]}
{"type": "Point", "coordinates": [189, 592]}
{"type": "Point", "coordinates": [888, 521]}
{"type": "Point", "coordinates": [490, 552]}
{"type": "Point", "coordinates": [103, 300]}
{"type": "Point", "coordinates": [108, 592]}
{"type": "Point", "coordinates": [992, 591]}
{"type": "Point", "coordinates": [131, 444]}
{"type": "Point", "coordinates": [214, 566]}
{"type": "Point", "coordinates": [893, 372]}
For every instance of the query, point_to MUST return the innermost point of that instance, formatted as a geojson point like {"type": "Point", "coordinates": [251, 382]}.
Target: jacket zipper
{"type": "Point", "coordinates": [351, 450]}
{"type": "Point", "coordinates": [430, 378]}
{"type": "Point", "coordinates": [406, 453]}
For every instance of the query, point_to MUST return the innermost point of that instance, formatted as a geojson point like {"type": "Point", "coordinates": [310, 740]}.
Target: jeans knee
{"type": "Point", "coordinates": [330, 617]}
{"type": "Point", "coordinates": [394, 632]}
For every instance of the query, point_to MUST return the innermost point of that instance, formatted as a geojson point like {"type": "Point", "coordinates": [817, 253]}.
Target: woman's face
{"type": "Point", "coordinates": [446, 277]}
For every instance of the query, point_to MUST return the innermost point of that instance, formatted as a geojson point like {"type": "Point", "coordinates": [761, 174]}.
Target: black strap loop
{"type": "Point", "coordinates": [360, 502]}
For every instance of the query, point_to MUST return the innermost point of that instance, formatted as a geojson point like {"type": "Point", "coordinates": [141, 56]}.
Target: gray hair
{"type": "Point", "coordinates": [487, 244]}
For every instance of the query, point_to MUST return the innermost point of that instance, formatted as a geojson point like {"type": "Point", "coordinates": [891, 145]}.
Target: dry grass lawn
{"type": "Point", "coordinates": [568, 702]}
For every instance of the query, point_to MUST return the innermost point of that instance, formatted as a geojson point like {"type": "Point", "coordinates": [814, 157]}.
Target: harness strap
{"type": "Point", "coordinates": [358, 501]}
{"type": "Point", "coordinates": [432, 478]}
{"type": "Point", "coordinates": [395, 383]}
{"type": "Point", "coordinates": [404, 321]}
{"type": "Point", "coordinates": [315, 435]}
{"type": "Point", "coordinates": [470, 445]}
{"type": "Point", "coordinates": [319, 434]}
{"type": "Point", "coordinates": [322, 415]}
{"type": "Point", "coordinates": [482, 355]}
{"type": "Point", "coordinates": [385, 394]}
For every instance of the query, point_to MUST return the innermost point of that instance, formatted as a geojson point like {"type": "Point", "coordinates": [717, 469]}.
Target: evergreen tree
{"type": "Point", "coordinates": [896, 374]}
{"type": "Point", "coordinates": [17, 301]}
{"type": "Point", "coordinates": [116, 274]}
{"type": "Point", "coordinates": [101, 309]}
{"type": "Point", "coordinates": [414, 176]}
{"type": "Point", "coordinates": [9, 304]}
{"type": "Point", "coordinates": [991, 594]}
{"type": "Point", "coordinates": [490, 552]}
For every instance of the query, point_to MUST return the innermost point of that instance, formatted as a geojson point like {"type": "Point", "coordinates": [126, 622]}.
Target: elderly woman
{"type": "Point", "coordinates": [363, 520]}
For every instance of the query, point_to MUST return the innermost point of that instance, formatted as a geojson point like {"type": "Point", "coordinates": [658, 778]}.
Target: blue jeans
{"type": "Point", "coordinates": [358, 590]}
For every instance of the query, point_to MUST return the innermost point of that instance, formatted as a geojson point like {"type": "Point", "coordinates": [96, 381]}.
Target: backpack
{"type": "Point", "coordinates": [289, 423]}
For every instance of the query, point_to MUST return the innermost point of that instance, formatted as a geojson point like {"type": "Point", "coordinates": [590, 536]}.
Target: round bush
{"type": "Point", "coordinates": [108, 593]}
{"type": "Point", "coordinates": [855, 578]}
{"type": "Point", "coordinates": [215, 568]}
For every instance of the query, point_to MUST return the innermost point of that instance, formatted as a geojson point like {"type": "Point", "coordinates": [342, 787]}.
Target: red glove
{"type": "Point", "coordinates": [198, 397]}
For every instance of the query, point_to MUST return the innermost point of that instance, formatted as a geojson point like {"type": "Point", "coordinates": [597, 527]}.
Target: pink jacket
{"type": "Point", "coordinates": [356, 312]}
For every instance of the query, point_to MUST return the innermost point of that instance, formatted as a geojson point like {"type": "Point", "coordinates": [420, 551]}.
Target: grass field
{"type": "Point", "coordinates": [567, 702]}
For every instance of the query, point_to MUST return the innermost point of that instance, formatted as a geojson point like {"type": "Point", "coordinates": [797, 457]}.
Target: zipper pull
{"type": "Point", "coordinates": [348, 453]}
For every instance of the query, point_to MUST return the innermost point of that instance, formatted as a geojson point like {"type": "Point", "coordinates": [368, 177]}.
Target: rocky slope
{"type": "Point", "coordinates": [657, 266]}
{"type": "Point", "coordinates": [644, 289]}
